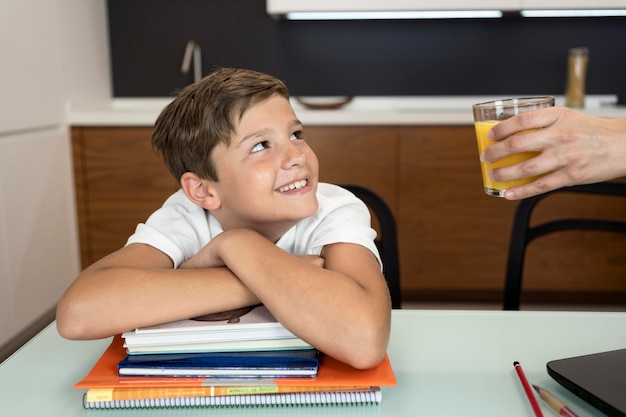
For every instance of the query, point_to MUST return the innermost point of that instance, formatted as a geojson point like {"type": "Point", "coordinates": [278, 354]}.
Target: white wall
{"type": "Point", "coordinates": [84, 49]}
{"type": "Point", "coordinates": [52, 52]}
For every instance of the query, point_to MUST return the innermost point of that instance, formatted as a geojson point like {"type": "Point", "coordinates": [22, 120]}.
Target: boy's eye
{"type": "Point", "coordinates": [260, 146]}
{"type": "Point", "coordinates": [296, 135]}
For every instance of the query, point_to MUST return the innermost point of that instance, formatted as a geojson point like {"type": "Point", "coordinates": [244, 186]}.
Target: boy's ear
{"type": "Point", "coordinates": [200, 191]}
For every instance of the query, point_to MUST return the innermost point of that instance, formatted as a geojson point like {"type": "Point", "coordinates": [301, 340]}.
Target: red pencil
{"type": "Point", "coordinates": [529, 391]}
{"type": "Point", "coordinates": [554, 403]}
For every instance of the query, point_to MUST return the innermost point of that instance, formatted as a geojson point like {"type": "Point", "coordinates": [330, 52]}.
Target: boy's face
{"type": "Point", "coordinates": [268, 174]}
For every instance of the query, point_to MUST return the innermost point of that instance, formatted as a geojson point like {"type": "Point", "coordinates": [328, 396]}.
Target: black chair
{"type": "Point", "coordinates": [523, 234]}
{"type": "Point", "coordinates": [386, 241]}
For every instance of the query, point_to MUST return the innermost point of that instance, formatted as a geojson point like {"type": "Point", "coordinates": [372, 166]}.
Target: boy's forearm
{"type": "Point", "coordinates": [330, 309]}
{"type": "Point", "coordinates": [109, 301]}
{"type": "Point", "coordinates": [342, 308]}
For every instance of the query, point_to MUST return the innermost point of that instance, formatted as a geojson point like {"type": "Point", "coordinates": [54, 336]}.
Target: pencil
{"type": "Point", "coordinates": [529, 391]}
{"type": "Point", "coordinates": [554, 403]}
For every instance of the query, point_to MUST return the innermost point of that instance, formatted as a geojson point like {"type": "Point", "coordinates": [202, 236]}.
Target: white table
{"type": "Point", "coordinates": [447, 363]}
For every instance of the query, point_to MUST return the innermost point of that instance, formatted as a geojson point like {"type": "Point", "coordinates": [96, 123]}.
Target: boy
{"type": "Point", "coordinates": [249, 225]}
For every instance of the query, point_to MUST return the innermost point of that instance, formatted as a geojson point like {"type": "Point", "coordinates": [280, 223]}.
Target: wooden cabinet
{"type": "Point", "coordinates": [120, 181]}
{"type": "Point", "coordinates": [358, 155]}
{"type": "Point", "coordinates": [453, 238]}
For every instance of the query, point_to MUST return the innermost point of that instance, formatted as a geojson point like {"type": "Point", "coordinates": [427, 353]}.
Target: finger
{"type": "Point", "coordinates": [550, 182]}
{"type": "Point", "coordinates": [535, 166]}
{"type": "Point", "coordinates": [535, 119]}
{"type": "Point", "coordinates": [532, 141]}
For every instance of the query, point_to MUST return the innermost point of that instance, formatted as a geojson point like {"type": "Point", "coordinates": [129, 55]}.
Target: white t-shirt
{"type": "Point", "coordinates": [181, 228]}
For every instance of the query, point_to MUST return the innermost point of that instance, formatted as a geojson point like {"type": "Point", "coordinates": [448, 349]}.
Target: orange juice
{"type": "Point", "coordinates": [495, 187]}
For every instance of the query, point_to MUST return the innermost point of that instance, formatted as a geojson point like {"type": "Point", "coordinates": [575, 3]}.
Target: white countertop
{"type": "Point", "coordinates": [423, 110]}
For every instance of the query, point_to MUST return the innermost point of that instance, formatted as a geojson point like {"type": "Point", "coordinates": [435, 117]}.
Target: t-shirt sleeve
{"type": "Point", "coordinates": [179, 229]}
{"type": "Point", "coordinates": [344, 219]}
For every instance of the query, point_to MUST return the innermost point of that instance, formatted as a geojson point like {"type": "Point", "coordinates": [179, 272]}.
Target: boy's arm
{"type": "Point", "coordinates": [137, 286]}
{"type": "Point", "coordinates": [343, 309]}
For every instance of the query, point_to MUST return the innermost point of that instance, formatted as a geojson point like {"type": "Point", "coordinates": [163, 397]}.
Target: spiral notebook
{"type": "Point", "coordinates": [371, 396]}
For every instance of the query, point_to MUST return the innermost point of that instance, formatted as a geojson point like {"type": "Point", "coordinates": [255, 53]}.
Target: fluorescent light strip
{"type": "Point", "coordinates": [386, 15]}
{"type": "Point", "coordinates": [574, 13]}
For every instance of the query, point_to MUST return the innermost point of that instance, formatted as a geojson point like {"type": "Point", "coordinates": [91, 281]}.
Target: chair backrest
{"type": "Point", "coordinates": [386, 241]}
{"type": "Point", "coordinates": [523, 234]}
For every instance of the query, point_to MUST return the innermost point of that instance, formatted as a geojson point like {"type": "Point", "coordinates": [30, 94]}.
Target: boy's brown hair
{"type": "Point", "coordinates": [202, 116]}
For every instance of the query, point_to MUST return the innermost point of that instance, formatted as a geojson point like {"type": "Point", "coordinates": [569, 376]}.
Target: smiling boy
{"type": "Point", "coordinates": [249, 225]}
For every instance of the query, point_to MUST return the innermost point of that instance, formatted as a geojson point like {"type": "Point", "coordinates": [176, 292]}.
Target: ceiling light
{"type": "Point", "coordinates": [574, 13]}
{"type": "Point", "coordinates": [386, 15]}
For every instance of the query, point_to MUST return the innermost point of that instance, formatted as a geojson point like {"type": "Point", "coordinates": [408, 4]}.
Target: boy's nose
{"type": "Point", "coordinates": [293, 155]}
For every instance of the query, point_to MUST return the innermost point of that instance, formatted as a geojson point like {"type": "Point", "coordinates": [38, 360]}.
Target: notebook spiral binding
{"type": "Point", "coordinates": [306, 399]}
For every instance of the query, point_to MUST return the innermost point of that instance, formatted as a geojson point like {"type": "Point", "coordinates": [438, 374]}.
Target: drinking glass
{"type": "Point", "coordinates": [486, 116]}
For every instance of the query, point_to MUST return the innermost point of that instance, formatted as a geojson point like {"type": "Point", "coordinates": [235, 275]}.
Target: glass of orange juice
{"type": "Point", "coordinates": [486, 116]}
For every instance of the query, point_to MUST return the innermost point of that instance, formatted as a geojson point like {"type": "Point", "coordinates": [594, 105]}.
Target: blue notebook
{"type": "Point", "coordinates": [255, 364]}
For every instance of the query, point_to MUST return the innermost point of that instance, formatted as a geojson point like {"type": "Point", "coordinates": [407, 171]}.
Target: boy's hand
{"type": "Point", "coordinates": [205, 258]}
{"type": "Point", "coordinates": [313, 260]}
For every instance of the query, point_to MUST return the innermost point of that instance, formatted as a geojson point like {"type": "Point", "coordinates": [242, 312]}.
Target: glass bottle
{"type": "Point", "coordinates": [576, 76]}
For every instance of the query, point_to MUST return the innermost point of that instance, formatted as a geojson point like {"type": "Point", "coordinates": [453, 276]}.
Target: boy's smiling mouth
{"type": "Point", "coordinates": [293, 186]}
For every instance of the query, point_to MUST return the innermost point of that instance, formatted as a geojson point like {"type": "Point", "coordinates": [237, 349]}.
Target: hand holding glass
{"type": "Point", "coordinates": [487, 115]}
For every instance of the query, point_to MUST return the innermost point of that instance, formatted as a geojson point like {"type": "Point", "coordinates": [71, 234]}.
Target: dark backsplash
{"type": "Point", "coordinates": [388, 58]}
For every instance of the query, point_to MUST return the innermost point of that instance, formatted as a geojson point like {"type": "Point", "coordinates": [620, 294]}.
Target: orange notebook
{"type": "Point", "coordinates": [332, 374]}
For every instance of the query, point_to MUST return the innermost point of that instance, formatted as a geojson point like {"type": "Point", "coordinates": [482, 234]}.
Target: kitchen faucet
{"type": "Point", "coordinates": [192, 50]}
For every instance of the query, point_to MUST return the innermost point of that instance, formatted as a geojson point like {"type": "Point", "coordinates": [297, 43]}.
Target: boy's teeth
{"type": "Point", "coordinates": [293, 186]}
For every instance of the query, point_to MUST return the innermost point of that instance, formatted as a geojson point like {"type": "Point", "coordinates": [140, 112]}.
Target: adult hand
{"type": "Point", "coordinates": [576, 148]}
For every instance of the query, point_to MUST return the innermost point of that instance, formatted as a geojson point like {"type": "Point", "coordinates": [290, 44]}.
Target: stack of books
{"type": "Point", "coordinates": [246, 360]}
{"type": "Point", "coordinates": [246, 343]}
